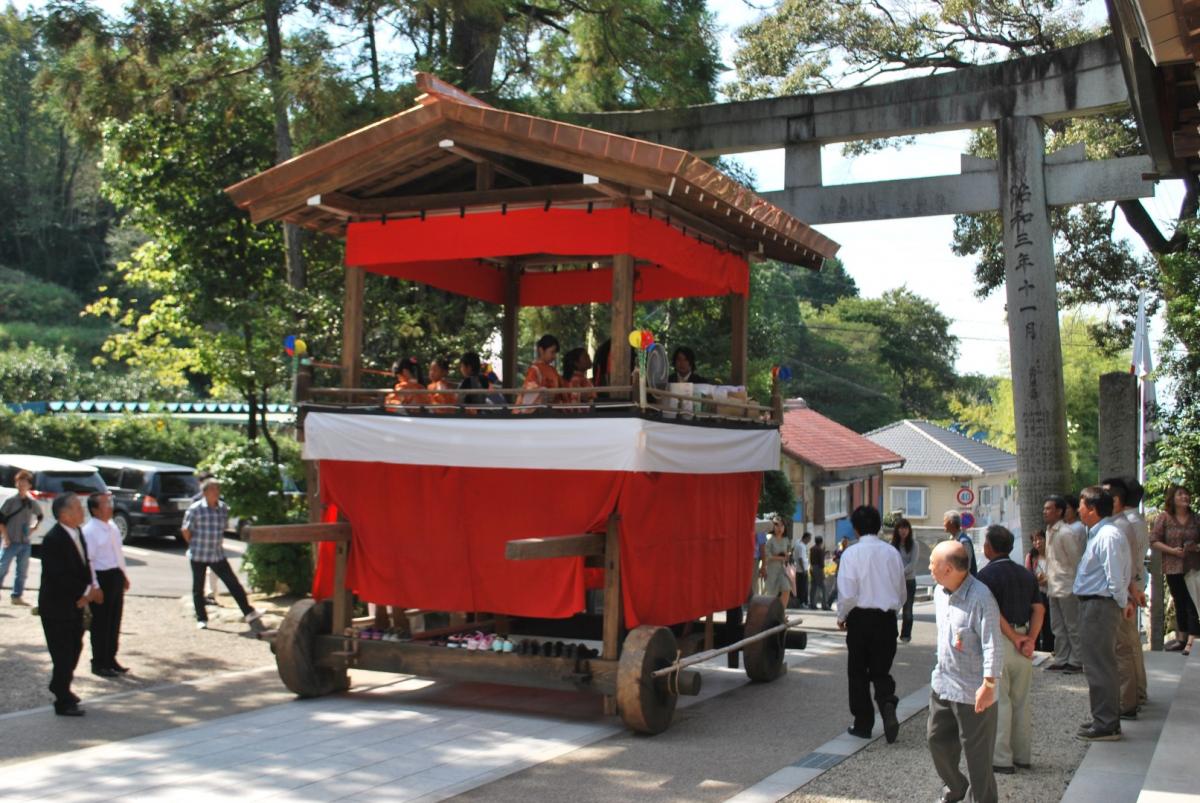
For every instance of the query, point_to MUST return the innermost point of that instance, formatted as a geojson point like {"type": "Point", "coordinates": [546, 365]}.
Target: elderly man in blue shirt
{"type": "Point", "coordinates": [970, 658]}
{"type": "Point", "coordinates": [1102, 586]}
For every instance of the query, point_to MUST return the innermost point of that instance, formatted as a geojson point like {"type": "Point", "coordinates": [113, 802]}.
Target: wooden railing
{"type": "Point", "coordinates": [667, 404]}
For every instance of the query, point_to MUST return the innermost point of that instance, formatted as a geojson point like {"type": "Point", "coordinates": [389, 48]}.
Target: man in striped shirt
{"type": "Point", "coordinates": [962, 714]}
{"type": "Point", "coordinates": [204, 531]}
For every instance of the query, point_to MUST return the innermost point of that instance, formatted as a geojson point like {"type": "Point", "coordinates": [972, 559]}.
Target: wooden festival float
{"type": "Point", "coordinates": [504, 514]}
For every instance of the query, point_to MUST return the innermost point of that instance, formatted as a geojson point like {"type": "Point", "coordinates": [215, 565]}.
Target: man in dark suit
{"type": "Point", "coordinates": [67, 587]}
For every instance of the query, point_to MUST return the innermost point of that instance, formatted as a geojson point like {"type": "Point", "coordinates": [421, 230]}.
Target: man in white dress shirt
{"type": "Point", "coordinates": [870, 586]}
{"type": "Point", "coordinates": [108, 562]}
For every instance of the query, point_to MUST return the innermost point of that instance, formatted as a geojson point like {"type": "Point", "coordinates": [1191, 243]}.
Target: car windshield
{"type": "Point", "coordinates": [171, 485]}
{"type": "Point", "coordinates": [58, 482]}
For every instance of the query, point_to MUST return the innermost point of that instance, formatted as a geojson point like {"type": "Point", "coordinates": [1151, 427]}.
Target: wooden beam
{"type": "Point", "coordinates": [342, 609]}
{"type": "Point", "coordinates": [485, 176]}
{"type": "Point", "coordinates": [352, 327]}
{"type": "Point", "coordinates": [338, 532]}
{"type": "Point", "coordinates": [449, 146]}
{"type": "Point", "coordinates": [378, 186]}
{"type": "Point", "coordinates": [622, 318]}
{"type": "Point", "coordinates": [612, 595]}
{"type": "Point", "coordinates": [699, 225]}
{"type": "Point", "coordinates": [509, 331]}
{"type": "Point", "coordinates": [740, 314]}
{"type": "Point", "coordinates": [563, 546]}
{"type": "Point", "coordinates": [349, 206]}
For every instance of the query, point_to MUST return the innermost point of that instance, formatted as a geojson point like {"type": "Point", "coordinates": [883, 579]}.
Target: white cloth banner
{"type": "Point", "coordinates": [583, 444]}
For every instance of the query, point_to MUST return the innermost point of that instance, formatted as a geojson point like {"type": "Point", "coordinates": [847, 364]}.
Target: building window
{"type": "Point", "coordinates": [910, 501]}
{"type": "Point", "coordinates": [837, 502]}
{"type": "Point", "coordinates": [985, 496]}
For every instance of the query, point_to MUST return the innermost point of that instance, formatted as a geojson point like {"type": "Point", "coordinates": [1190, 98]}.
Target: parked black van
{"type": "Point", "coordinates": [149, 497]}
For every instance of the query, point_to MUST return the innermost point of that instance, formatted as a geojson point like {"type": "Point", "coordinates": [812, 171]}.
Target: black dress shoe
{"type": "Point", "coordinates": [105, 672]}
{"type": "Point", "coordinates": [891, 725]}
{"type": "Point", "coordinates": [1092, 734]}
{"type": "Point", "coordinates": [860, 734]}
{"type": "Point", "coordinates": [1129, 714]}
{"type": "Point", "coordinates": [1021, 766]}
{"type": "Point", "coordinates": [1003, 770]}
{"type": "Point", "coordinates": [118, 668]}
{"type": "Point", "coordinates": [72, 710]}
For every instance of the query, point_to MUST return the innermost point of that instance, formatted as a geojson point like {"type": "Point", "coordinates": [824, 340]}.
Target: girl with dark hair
{"type": "Point", "coordinates": [542, 373]}
{"type": "Point", "coordinates": [1035, 562]}
{"type": "Point", "coordinates": [1176, 535]}
{"type": "Point", "coordinates": [684, 360]}
{"type": "Point", "coordinates": [470, 367]}
{"type": "Point", "coordinates": [575, 367]}
{"type": "Point", "coordinates": [906, 543]}
{"type": "Point", "coordinates": [439, 370]}
{"type": "Point", "coordinates": [408, 377]}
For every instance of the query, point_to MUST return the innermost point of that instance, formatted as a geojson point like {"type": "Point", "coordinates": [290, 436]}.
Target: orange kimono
{"type": "Point", "coordinates": [578, 381]}
{"type": "Point", "coordinates": [395, 401]}
{"type": "Point", "coordinates": [447, 400]}
{"type": "Point", "coordinates": [540, 375]}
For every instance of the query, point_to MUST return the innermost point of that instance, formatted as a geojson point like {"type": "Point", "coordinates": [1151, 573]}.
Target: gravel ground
{"type": "Point", "coordinates": [904, 771]}
{"type": "Point", "coordinates": [159, 643]}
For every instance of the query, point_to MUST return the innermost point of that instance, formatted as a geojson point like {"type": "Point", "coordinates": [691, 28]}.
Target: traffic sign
{"type": "Point", "coordinates": [965, 497]}
{"type": "Point", "coordinates": [967, 520]}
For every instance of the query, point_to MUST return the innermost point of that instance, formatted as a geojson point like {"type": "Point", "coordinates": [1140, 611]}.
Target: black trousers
{"type": "Point", "coordinates": [906, 616]}
{"type": "Point", "coordinates": [64, 639]}
{"type": "Point", "coordinates": [1045, 639]}
{"type": "Point", "coordinates": [1186, 620]}
{"type": "Point", "coordinates": [818, 584]}
{"type": "Point", "coordinates": [800, 598]}
{"type": "Point", "coordinates": [106, 618]}
{"type": "Point", "coordinates": [224, 572]}
{"type": "Point", "coordinates": [871, 643]}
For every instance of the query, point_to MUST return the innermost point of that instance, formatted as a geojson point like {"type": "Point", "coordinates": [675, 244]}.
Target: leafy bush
{"type": "Point", "coordinates": [147, 437]}
{"type": "Point", "coordinates": [252, 485]}
{"type": "Point", "coordinates": [25, 298]}
{"type": "Point", "coordinates": [36, 373]}
{"type": "Point", "coordinates": [777, 496]}
{"type": "Point", "coordinates": [85, 338]}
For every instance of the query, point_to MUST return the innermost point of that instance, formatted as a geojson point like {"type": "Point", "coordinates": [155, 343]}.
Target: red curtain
{"type": "Point", "coordinates": [433, 537]}
{"type": "Point", "coordinates": [444, 252]}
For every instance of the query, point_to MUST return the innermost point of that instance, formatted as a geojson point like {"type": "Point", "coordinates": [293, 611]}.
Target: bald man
{"type": "Point", "coordinates": [970, 658]}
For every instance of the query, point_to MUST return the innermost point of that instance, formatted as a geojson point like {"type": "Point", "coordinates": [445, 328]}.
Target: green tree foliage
{"type": "Point", "coordinates": [26, 298]}
{"type": "Point", "coordinates": [52, 220]}
{"type": "Point", "coordinates": [1178, 452]}
{"type": "Point", "coordinates": [777, 495]}
{"type": "Point", "coordinates": [1083, 363]}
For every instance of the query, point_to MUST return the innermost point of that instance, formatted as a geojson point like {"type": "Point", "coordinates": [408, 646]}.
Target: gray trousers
{"type": "Point", "coordinates": [1098, 623]}
{"type": "Point", "coordinates": [954, 729]}
{"type": "Point", "coordinates": [1064, 621]}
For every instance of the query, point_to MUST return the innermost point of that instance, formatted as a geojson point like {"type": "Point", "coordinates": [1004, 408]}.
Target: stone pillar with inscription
{"type": "Point", "coordinates": [1039, 401]}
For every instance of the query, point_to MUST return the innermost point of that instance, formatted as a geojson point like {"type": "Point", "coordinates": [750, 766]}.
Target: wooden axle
{"type": "Point", "coordinates": [595, 675]}
{"type": "Point", "coordinates": [706, 655]}
{"type": "Point", "coordinates": [337, 532]}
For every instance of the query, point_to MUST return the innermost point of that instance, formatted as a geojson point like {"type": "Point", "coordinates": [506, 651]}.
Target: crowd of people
{"type": "Point", "coordinates": [84, 576]}
{"type": "Point", "coordinates": [1084, 579]}
{"type": "Point", "coordinates": [543, 374]}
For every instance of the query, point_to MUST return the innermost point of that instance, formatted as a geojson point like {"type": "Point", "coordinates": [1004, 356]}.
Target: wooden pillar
{"type": "Point", "coordinates": [352, 328]}
{"type": "Point", "coordinates": [1039, 400]}
{"type": "Point", "coordinates": [622, 318]}
{"type": "Point", "coordinates": [739, 313]}
{"type": "Point", "coordinates": [612, 599]}
{"type": "Point", "coordinates": [342, 602]}
{"type": "Point", "coordinates": [509, 330]}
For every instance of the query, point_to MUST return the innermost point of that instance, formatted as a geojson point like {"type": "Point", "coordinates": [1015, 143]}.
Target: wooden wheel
{"type": "Point", "coordinates": [764, 658]}
{"type": "Point", "coordinates": [295, 653]}
{"type": "Point", "coordinates": [645, 704]}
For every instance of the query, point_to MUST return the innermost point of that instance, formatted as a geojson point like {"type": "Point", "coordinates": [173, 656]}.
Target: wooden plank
{"type": "Point", "coordinates": [708, 632]}
{"type": "Point", "coordinates": [622, 317]}
{"type": "Point", "coordinates": [348, 205]}
{"type": "Point", "coordinates": [352, 328]}
{"type": "Point", "coordinates": [509, 331]}
{"type": "Point", "coordinates": [312, 533]}
{"type": "Point", "coordinates": [342, 609]}
{"type": "Point", "coordinates": [740, 315]}
{"type": "Point", "coordinates": [381, 185]}
{"type": "Point", "coordinates": [539, 672]}
{"type": "Point", "coordinates": [485, 175]}
{"type": "Point", "coordinates": [713, 231]}
{"type": "Point", "coordinates": [612, 599]}
{"type": "Point", "coordinates": [449, 146]}
{"type": "Point", "coordinates": [563, 546]}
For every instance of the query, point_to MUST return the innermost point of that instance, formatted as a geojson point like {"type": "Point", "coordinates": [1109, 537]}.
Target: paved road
{"type": "Point", "coordinates": [157, 568]}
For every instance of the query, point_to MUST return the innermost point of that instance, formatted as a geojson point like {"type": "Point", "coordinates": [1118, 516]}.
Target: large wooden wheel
{"type": "Point", "coordinates": [295, 650]}
{"type": "Point", "coordinates": [764, 658]}
{"type": "Point", "coordinates": [646, 704]}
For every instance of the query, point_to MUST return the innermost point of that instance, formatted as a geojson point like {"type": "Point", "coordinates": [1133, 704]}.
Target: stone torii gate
{"type": "Point", "coordinates": [1017, 97]}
